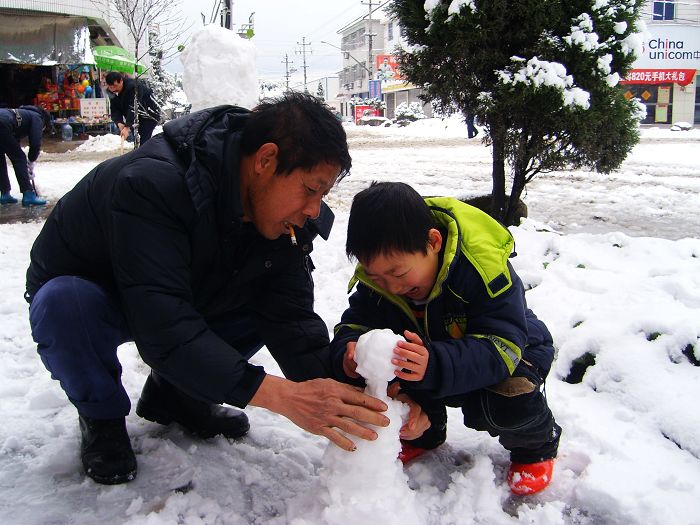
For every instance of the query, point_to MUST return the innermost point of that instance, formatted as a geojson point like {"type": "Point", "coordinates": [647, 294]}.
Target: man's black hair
{"type": "Point", "coordinates": [304, 129]}
{"type": "Point", "coordinates": [387, 218]}
{"type": "Point", "coordinates": [113, 76]}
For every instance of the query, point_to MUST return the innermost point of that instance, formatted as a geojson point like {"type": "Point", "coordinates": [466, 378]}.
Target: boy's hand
{"type": "Point", "coordinates": [411, 358]}
{"type": "Point", "coordinates": [417, 422]}
{"type": "Point", "coordinates": [349, 364]}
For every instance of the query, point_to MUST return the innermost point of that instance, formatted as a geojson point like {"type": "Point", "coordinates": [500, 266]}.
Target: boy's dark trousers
{"type": "Point", "coordinates": [515, 410]}
{"type": "Point", "coordinates": [78, 326]}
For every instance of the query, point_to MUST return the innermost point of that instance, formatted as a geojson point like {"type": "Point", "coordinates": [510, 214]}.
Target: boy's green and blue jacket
{"type": "Point", "coordinates": [476, 323]}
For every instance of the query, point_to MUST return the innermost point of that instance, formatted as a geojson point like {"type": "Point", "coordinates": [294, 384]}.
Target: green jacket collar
{"type": "Point", "coordinates": [483, 241]}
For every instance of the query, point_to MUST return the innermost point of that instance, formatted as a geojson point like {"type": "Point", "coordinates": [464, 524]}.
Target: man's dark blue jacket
{"type": "Point", "coordinates": [162, 227]}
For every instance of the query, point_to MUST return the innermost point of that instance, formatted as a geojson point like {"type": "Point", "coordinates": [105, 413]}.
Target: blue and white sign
{"type": "Point", "coordinates": [375, 88]}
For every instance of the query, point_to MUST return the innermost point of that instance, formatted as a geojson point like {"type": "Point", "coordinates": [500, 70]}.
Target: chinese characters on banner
{"type": "Point", "coordinates": [682, 77]}
{"type": "Point", "coordinates": [375, 88]}
{"type": "Point", "coordinates": [93, 108]}
{"type": "Point", "coordinates": [363, 110]}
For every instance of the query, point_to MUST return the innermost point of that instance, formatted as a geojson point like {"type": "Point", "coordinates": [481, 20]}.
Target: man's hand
{"type": "Point", "coordinates": [30, 169]}
{"type": "Point", "coordinates": [349, 364]}
{"type": "Point", "coordinates": [124, 132]}
{"type": "Point", "coordinates": [323, 407]}
{"type": "Point", "coordinates": [411, 358]}
{"type": "Point", "coordinates": [417, 422]}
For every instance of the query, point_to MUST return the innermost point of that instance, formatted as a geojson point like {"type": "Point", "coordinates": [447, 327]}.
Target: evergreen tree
{"type": "Point", "coordinates": [319, 91]}
{"type": "Point", "coordinates": [540, 75]}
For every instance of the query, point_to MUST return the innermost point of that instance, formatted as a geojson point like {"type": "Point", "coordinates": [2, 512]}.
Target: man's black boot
{"type": "Point", "coordinates": [106, 451]}
{"type": "Point", "coordinates": [162, 403]}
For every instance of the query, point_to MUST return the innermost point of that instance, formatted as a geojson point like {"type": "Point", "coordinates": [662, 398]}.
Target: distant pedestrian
{"type": "Point", "coordinates": [471, 127]}
{"type": "Point", "coordinates": [124, 90]}
{"type": "Point", "coordinates": [27, 121]}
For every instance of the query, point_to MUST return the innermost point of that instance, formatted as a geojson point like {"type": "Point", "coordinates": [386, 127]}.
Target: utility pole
{"type": "Point", "coordinates": [226, 15]}
{"type": "Point", "coordinates": [303, 45]}
{"type": "Point", "coordinates": [370, 35]}
{"type": "Point", "coordinates": [287, 70]}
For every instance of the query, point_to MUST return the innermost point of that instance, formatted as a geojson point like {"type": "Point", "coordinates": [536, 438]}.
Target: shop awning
{"type": "Point", "coordinates": [682, 77]}
{"type": "Point", "coordinates": [44, 40]}
{"type": "Point", "coordinates": [113, 58]}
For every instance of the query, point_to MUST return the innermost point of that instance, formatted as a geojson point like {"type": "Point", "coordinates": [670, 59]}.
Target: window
{"type": "Point", "coordinates": [390, 31]}
{"type": "Point", "coordinates": [664, 10]}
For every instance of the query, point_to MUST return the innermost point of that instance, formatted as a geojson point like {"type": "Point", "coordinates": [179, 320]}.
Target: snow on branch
{"type": "Point", "coordinates": [537, 73]}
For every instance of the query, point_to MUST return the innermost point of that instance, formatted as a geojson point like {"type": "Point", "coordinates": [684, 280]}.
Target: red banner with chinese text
{"type": "Point", "coordinates": [682, 77]}
{"type": "Point", "coordinates": [362, 111]}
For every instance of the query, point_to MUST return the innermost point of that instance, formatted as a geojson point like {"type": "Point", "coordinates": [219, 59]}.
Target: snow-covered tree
{"type": "Point", "coordinates": [319, 91]}
{"type": "Point", "coordinates": [540, 75]}
{"type": "Point", "coordinates": [163, 83]}
{"type": "Point", "coordinates": [376, 103]}
{"type": "Point", "coordinates": [270, 89]}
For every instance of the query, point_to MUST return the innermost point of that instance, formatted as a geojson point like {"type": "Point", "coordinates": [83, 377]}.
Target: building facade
{"type": "Point", "coordinates": [369, 66]}
{"type": "Point", "coordinates": [666, 77]}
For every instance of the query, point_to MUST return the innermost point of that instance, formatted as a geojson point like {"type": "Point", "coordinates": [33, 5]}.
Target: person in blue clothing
{"type": "Point", "coordinates": [436, 271]}
{"type": "Point", "coordinates": [27, 121]}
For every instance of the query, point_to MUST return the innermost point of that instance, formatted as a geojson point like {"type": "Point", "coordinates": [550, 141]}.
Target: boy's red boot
{"type": "Point", "coordinates": [408, 452]}
{"type": "Point", "coordinates": [529, 478]}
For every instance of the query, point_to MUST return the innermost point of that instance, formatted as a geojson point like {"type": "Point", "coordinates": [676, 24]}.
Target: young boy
{"type": "Point", "coordinates": [437, 272]}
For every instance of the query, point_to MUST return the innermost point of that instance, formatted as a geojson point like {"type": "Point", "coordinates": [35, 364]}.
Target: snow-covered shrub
{"type": "Point", "coordinates": [410, 112]}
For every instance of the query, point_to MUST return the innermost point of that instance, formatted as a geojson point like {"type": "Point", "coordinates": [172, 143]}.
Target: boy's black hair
{"type": "Point", "coordinates": [305, 130]}
{"type": "Point", "coordinates": [112, 77]}
{"type": "Point", "coordinates": [386, 218]}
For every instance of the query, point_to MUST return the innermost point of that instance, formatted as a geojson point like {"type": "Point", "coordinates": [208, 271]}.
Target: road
{"type": "Point", "coordinates": [655, 193]}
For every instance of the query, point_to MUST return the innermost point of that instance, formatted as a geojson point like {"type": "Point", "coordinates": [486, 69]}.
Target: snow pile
{"type": "Point", "coordinates": [100, 143]}
{"type": "Point", "coordinates": [360, 483]}
{"type": "Point", "coordinates": [219, 68]}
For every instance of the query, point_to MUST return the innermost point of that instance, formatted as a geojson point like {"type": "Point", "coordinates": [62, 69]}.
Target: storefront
{"type": "Point", "coordinates": [47, 61]}
{"type": "Point", "coordinates": [665, 77]}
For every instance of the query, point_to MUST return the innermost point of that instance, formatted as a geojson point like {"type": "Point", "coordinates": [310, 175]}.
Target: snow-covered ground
{"type": "Point", "coordinates": [613, 267]}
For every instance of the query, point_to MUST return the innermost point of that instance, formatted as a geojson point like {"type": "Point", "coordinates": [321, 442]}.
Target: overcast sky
{"type": "Point", "coordinates": [281, 26]}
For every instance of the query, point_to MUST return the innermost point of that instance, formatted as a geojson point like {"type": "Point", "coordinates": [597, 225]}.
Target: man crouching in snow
{"type": "Point", "coordinates": [196, 246]}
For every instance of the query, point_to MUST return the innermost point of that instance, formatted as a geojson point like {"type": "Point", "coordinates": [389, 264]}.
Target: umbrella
{"type": "Point", "coordinates": [113, 58]}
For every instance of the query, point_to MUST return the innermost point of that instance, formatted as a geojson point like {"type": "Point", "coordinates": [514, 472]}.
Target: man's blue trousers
{"type": "Point", "coordinates": [78, 326]}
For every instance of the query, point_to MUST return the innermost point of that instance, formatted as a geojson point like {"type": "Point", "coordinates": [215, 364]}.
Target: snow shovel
{"type": "Point", "coordinates": [30, 172]}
